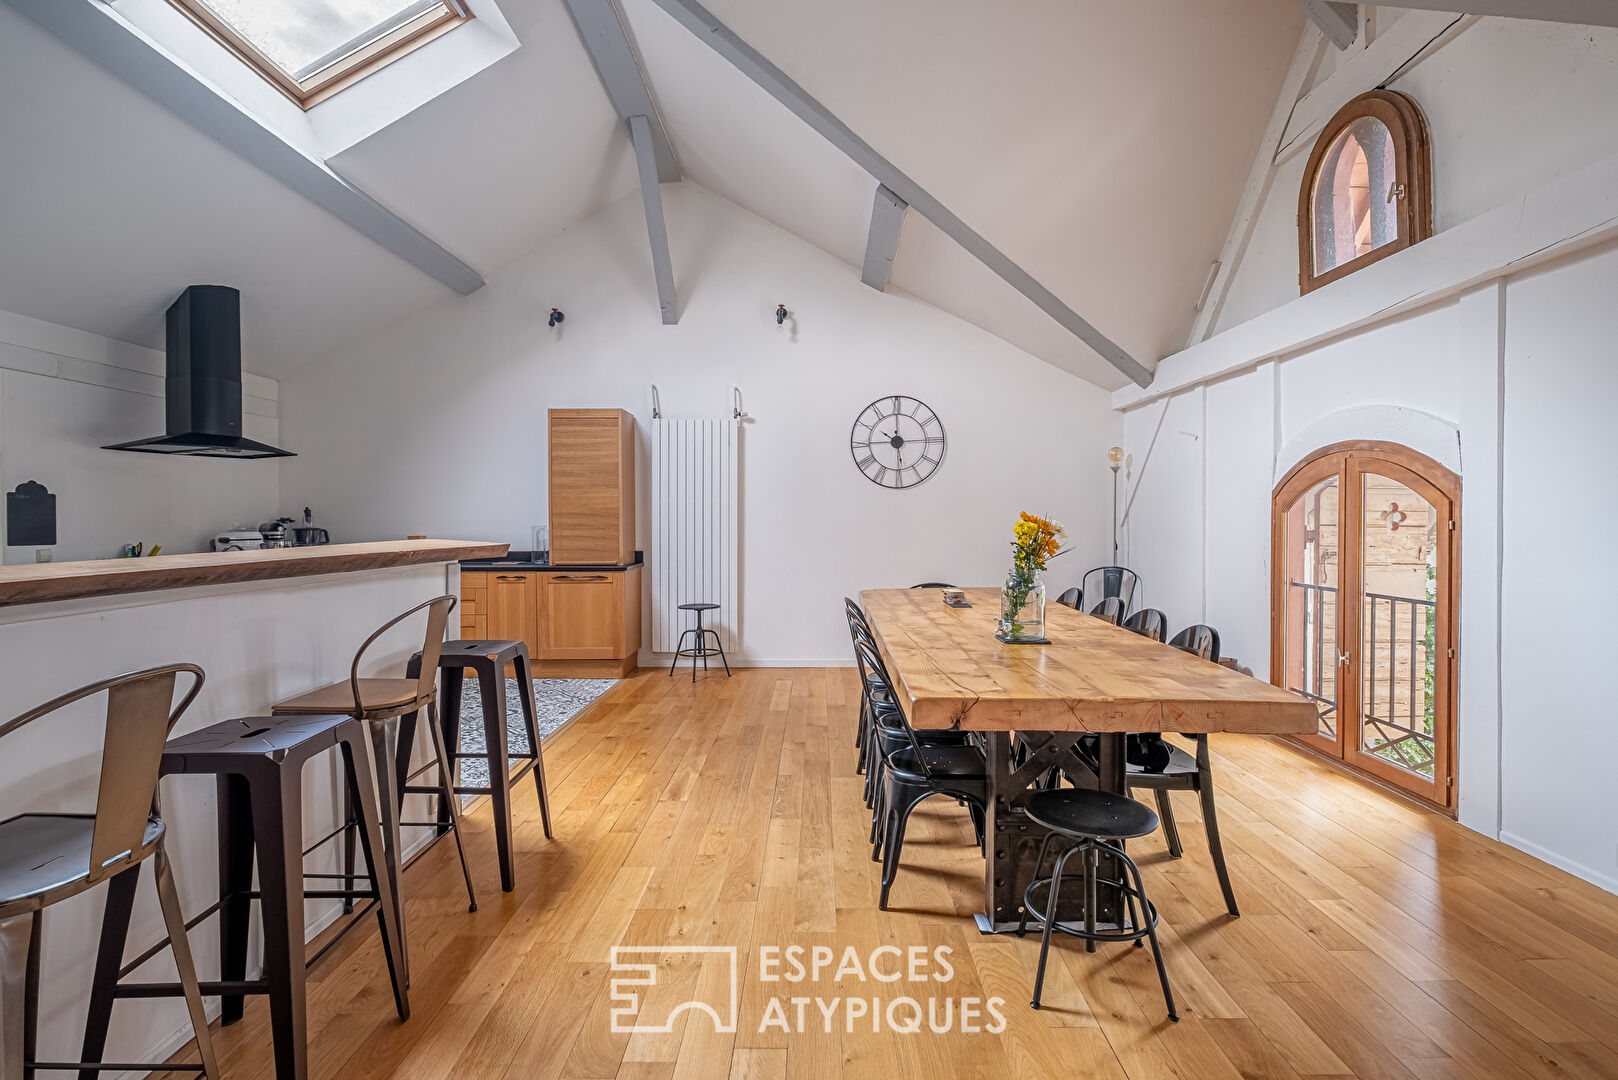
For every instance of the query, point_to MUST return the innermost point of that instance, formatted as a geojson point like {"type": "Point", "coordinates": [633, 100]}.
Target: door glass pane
{"type": "Point", "coordinates": [1354, 208]}
{"type": "Point", "coordinates": [1310, 658]}
{"type": "Point", "coordinates": [1399, 557]}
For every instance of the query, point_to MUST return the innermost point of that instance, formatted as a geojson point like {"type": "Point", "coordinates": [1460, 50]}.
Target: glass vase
{"type": "Point", "coordinates": [1022, 608]}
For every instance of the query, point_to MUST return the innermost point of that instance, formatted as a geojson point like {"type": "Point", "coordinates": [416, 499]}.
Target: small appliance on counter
{"type": "Point", "coordinates": [237, 538]}
{"type": "Point", "coordinates": [308, 533]}
{"type": "Point", "coordinates": [274, 533]}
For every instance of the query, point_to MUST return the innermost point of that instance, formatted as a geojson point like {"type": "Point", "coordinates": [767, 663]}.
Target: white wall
{"type": "Point", "coordinates": [1504, 374]}
{"type": "Point", "coordinates": [1560, 582]}
{"type": "Point", "coordinates": [1511, 105]}
{"type": "Point", "coordinates": [438, 426]}
{"type": "Point", "coordinates": [64, 394]}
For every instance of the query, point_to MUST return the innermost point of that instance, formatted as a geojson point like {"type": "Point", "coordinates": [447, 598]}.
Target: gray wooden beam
{"type": "Point", "coordinates": [1340, 22]}
{"type": "Point", "coordinates": [887, 219]}
{"type": "Point", "coordinates": [1580, 12]}
{"type": "Point", "coordinates": [606, 35]}
{"type": "Point", "coordinates": [640, 133]}
{"type": "Point", "coordinates": [694, 17]}
{"type": "Point", "coordinates": [102, 35]}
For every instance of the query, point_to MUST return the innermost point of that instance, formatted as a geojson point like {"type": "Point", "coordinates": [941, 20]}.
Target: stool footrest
{"type": "Point", "coordinates": [122, 1066]}
{"type": "Point", "coordinates": [217, 988]}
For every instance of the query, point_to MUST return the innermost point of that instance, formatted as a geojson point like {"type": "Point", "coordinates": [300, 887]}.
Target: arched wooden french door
{"type": "Point", "coordinates": [1364, 581]}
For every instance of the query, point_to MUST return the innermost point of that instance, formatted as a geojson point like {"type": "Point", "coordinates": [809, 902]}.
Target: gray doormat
{"type": "Point", "coordinates": [556, 701]}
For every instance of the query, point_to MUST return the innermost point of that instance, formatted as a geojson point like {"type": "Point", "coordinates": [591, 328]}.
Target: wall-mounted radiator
{"type": "Point", "coordinates": [694, 528]}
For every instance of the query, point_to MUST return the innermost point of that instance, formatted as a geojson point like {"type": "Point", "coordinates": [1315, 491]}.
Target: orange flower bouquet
{"type": "Point", "coordinates": [1022, 600]}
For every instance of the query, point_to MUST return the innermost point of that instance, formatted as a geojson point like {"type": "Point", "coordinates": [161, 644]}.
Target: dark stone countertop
{"type": "Point", "coordinates": [524, 560]}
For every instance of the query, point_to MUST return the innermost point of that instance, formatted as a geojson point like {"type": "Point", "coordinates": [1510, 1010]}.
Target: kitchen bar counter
{"type": "Point", "coordinates": [33, 583]}
{"type": "Point", "coordinates": [264, 625]}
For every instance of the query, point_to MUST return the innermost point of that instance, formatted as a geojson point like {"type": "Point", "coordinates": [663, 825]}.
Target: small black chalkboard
{"type": "Point", "coordinates": [30, 516]}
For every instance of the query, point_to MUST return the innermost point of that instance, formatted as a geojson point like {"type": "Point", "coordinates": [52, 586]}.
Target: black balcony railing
{"type": "Point", "coordinates": [1317, 657]}
{"type": "Point", "coordinates": [1398, 632]}
{"type": "Point", "coordinates": [1400, 732]}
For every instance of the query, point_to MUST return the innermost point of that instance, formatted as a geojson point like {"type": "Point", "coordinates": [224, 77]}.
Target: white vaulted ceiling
{"type": "Point", "coordinates": [1100, 145]}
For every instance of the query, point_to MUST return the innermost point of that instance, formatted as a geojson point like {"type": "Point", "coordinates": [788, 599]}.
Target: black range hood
{"type": "Point", "coordinates": [203, 389]}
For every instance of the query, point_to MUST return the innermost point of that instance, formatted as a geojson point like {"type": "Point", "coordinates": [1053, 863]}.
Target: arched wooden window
{"type": "Point", "coordinates": [1365, 567]}
{"type": "Point", "coordinates": [1367, 191]}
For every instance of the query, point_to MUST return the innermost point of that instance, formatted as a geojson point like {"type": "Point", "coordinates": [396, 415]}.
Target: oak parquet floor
{"type": "Point", "coordinates": [1377, 940]}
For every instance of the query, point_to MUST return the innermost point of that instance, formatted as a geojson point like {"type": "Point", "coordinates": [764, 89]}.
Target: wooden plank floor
{"type": "Point", "coordinates": [1377, 940]}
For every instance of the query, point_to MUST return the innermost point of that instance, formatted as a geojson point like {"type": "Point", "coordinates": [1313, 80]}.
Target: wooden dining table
{"type": "Point", "coordinates": [950, 672]}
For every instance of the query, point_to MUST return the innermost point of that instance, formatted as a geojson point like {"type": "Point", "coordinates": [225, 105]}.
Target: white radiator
{"type": "Point", "coordinates": [694, 528]}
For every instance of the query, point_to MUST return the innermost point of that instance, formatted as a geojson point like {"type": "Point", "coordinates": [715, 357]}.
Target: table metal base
{"type": "Point", "coordinates": [1014, 841]}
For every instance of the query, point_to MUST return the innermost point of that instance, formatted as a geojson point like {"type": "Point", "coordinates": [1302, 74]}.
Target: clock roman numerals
{"type": "Point", "coordinates": [897, 442]}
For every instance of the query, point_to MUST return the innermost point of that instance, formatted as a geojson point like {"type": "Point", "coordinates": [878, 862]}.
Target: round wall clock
{"type": "Point", "coordinates": [897, 441]}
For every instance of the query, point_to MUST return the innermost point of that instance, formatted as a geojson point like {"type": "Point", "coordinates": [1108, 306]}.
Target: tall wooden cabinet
{"type": "Point", "coordinates": [592, 487]}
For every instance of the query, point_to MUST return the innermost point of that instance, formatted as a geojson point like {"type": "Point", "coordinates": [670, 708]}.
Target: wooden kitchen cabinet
{"type": "Point", "coordinates": [474, 606]}
{"type": "Point", "coordinates": [589, 616]}
{"type": "Point", "coordinates": [579, 624]}
{"type": "Point", "coordinates": [512, 607]}
{"type": "Point", "coordinates": [592, 487]}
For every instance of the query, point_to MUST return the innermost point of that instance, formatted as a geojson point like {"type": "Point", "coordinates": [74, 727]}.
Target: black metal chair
{"type": "Point", "coordinates": [1073, 598]}
{"type": "Point", "coordinates": [46, 858]}
{"type": "Point", "coordinates": [1148, 622]}
{"type": "Point", "coordinates": [1187, 773]}
{"type": "Point", "coordinates": [1111, 608]}
{"type": "Point", "coordinates": [1110, 581]}
{"type": "Point", "coordinates": [1091, 824]}
{"type": "Point", "coordinates": [916, 771]}
{"type": "Point", "coordinates": [883, 732]}
{"type": "Point", "coordinates": [1201, 639]}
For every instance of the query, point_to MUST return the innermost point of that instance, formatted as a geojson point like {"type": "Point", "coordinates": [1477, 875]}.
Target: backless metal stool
{"type": "Point", "coordinates": [1093, 824]}
{"type": "Point", "coordinates": [380, 703]}
{"type": "Point", "coordinates": [700, 648]}
{"type": "Point", "coordinates": [488, 660]}
{"type": "Point", "coordinates": [47, 858]}
{"type": "Point", "coordinates": [258, 765]}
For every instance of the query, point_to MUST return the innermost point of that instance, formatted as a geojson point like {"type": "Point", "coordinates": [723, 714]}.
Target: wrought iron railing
{"type": "Point", "coordinates": [1405, 731]}
{"type": "Point", "coordinates": [1400, 732]}
{"type": "Point", "coordinates": [1316, 660]}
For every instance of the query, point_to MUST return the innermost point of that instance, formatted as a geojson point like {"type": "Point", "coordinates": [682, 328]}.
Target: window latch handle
{"type": "Point", "coordinates": [1342, 659]}
{"type": "Point", "coordinates": [1396, 190]}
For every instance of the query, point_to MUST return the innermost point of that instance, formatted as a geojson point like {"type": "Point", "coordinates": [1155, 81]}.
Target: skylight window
{"type": "Point", "coordinates": [310, 49]}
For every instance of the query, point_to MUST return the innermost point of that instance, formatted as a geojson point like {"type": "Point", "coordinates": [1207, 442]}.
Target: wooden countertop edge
{"type": "Point", "coordinates": [36, 583]}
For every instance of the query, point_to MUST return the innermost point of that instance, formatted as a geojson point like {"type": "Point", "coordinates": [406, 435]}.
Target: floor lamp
{"type": "Point", "coordinates": [1115, 458]}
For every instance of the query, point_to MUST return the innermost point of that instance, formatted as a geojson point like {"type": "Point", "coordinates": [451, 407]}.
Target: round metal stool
{"type": "Point", "coordinates": [700, 648]}
{"type": "Point", "coordinates": [1094, 825]}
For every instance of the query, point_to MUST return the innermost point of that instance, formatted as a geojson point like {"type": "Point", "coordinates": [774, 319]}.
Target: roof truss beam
{"type": "Point", "coordinates": [887, 220]}
{"type": "Point", "coordinates": [1340, 22]}
{"type": "Point", "coordinates": [606, 37]}
{"type": "Point", "coordinates": [1580, 12]}
{"type": "Point", "coordinates": [640, 133]}
{"type": "Point", "coordinates": [99, 33]}
{"type": "Point", "coordinates": [694, 17]}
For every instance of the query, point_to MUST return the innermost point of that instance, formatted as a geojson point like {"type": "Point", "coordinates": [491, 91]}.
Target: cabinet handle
{"type": "Point", "coordinates": [511, 577]}
{"type": "Point", "coordinates": [583, 577]}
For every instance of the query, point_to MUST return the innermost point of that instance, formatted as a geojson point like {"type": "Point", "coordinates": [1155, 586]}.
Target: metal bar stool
{"type": "Point", "coordinates": [47, 858]}
{"type": "Point", "coordinates": [1093, 824]}
{"type": "Point", "coordinates": [258, 763]}
{"type": "Point", "coordinates": [380, 703]}
{"type": "Point", "coordinates": [488, 659]}
{"type": "Point", "coordinates": [700, 635]}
